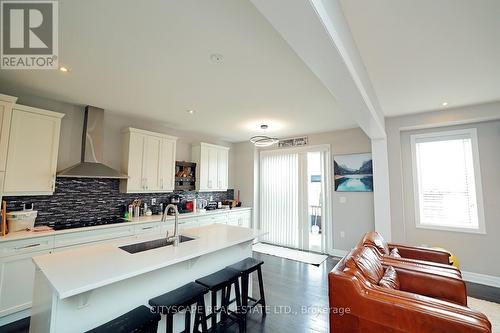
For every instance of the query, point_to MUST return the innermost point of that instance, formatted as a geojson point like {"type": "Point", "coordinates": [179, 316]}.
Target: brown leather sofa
{"type": "Point", "coordinates": [367, 295]}
{"type": "Point", "coordinates": [415, 256]}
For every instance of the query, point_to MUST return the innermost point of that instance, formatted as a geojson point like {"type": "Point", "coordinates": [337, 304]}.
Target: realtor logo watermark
{"type": "Point", "coordinates": [29, 35]}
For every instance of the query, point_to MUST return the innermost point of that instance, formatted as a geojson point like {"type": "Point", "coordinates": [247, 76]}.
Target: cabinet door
{"type": "Point", "coordinates": [32, 153]}
{"type": "Point", "coordinates": [167, 165]}
{"type": "Point", "coordinates": [212, 168]}
{"type": "Point", "coordinates": [5, 114]}
{"type": "Point", "coordinates": [135, 182]}
{"type": "Point", "coordinates": [222, 169]}
{"type": "Point", "coordinates": [151, 163]}
{"type": "Point", "coordinates": [203, 167]}
{"type": "Point", "coordinates": [16, 282]}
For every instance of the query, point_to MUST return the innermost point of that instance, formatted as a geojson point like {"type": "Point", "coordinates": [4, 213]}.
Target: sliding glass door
{"type": "Point", "coordinates": [293, 193]}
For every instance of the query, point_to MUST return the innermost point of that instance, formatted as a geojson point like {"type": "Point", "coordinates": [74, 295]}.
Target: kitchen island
{"type": "Point", "coordinates": [79, 289]}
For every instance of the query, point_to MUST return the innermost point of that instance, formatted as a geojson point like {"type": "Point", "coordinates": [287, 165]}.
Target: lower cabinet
{"type": "Point", "coordinates": [16, 282]}
{"type": "Point", "coordinates": [241, 219]}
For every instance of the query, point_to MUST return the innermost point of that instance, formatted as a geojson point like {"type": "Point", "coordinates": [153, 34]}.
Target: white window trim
{"type": "Point", "coordinates": [472, 133]}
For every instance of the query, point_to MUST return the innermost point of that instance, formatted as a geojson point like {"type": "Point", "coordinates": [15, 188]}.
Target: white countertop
{"type": "Point", "coordinates": [143, 219]}
{"type": "Point", "coordinates": [82, 269]}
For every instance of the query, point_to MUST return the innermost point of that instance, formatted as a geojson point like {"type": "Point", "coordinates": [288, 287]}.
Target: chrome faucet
{"type": "Point", "coordinates": [175, 237]}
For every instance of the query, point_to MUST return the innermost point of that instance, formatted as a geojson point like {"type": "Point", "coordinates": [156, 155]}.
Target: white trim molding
{"type": "Point", "coordinates": [488, 280]}
{"type": "Point", "coordinates": [467, 133]}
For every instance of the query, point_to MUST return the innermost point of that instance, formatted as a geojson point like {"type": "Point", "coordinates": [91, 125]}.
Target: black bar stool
{"type": "Point", "coordinates": [181, 299]}
{"type": "Point", "coordinates": [140, 319]}
{"type": "Point", "coordinates": [245, 268]}
{"type": "Point", "coordinates": [223, 280]}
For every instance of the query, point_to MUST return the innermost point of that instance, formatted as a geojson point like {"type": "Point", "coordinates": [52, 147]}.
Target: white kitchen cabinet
{"type": "Point", "coordinates": [32, 151]}
{"type": "Point", "coordinates": [6, 104]}
{"type": "Point", "coordinates": [212, 167]}
{"type": "Point", "coordinates": [211, 219]}
{"type": "Point", "coordinates": [240, 218]}
{"type": "Point", "coordinates": [16, 282]}
{"type": "Point", "coordinates": [149, 161]}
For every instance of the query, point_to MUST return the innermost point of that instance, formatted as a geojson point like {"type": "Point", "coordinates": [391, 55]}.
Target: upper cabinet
{"type": "Point", "coordinates": [148, 160]}
{"type": "Point", "coordinates": [32, 151]}
{"type": "Point", "coordinates": [212, 167]}
{"type": "Point", "coordinates": [6, 104]}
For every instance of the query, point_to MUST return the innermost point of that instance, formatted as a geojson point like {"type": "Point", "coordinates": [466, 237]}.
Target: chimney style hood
{"type": "Point", "coordinates": [91, 165]}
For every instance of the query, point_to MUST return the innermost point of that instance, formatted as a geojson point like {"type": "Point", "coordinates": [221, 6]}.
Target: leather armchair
{"type": "Point", "coordinates": [375, 240]}
{"type": "Point", "coordinates": [420, 301]}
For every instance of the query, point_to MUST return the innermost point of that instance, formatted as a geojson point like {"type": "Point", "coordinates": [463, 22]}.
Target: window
{"type": "Point", "coordinates": [447, 181]}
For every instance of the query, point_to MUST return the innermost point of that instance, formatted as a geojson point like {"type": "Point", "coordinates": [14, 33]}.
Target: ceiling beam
{"type": "Point", "coordinates": [319, 34]}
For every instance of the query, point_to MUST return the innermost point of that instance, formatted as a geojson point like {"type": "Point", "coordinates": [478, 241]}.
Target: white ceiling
{"type": "Point", "coordinates": [421, 53]}
{"type": "Point", "coordinates": [153, 59]}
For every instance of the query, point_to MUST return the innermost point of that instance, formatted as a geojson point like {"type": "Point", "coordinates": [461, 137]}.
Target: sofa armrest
{"type": "Point", "coordinates": [432, 284]}
{"type": "Point", "coordinates": [422, 253]}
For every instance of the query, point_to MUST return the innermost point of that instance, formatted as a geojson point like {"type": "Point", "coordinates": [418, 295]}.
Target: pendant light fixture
{"type": "Point", "coordinates": [263, 140]}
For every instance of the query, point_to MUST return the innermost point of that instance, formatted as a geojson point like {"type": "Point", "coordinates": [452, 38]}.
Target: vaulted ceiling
{"type": "Point", "coordinates": [422, 53]}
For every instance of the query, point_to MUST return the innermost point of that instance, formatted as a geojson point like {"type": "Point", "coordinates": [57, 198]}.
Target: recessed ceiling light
{"type": "Point", "coordinates": [217, 58]}
{"type": "Point", "coordinates": [444, 104]}
{"type": "Point", "coordinates": [64, 69]}
{"type": "Point", "coordinates": [190, 111]}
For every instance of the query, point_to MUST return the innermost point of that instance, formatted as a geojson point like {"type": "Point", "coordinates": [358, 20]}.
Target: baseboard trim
{"type": "Point", "coordinates": [338, 253]}
{"type": "Point", "coordinates": [488, 280]}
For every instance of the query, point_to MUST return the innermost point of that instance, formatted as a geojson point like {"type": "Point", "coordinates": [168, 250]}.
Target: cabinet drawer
{"type": "Point", "coordinates": [216, 218]}
{"type": "Point", "coordinates": [26, 246]}
{"type": "Point", "coordinates": [90, 236]}
{"type": "Point", "coordinates": [149, 227]}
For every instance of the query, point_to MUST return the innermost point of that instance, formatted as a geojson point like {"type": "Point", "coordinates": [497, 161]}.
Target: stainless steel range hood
{"type": "Point", "coordinates": [91, 165]}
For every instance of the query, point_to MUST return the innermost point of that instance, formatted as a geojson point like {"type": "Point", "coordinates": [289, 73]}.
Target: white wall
{"type": "Point", "coordinates": [72, 126]}
{"type": "Point", "coordinates": [354, 217]}
{"type": "Point", "coordinates": [472, 250]}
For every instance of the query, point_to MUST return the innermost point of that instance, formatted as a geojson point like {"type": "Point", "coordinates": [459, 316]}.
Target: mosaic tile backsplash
{"type": "Point", "coordinates": [85, 199]}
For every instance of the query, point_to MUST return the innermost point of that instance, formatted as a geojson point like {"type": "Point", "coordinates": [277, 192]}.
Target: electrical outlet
{"type": "Point", "coordinates": [342, 234]}
{"type": "Point", "coordinates": [153, 201]}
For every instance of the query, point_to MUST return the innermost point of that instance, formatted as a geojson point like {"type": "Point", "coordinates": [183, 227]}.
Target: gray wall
{"type": "Point", "coordinates": [354, 217]}
{"type": "Point", "coordinates": [472, 250]}
{"type": "Point", "coordinates": [72, 125]}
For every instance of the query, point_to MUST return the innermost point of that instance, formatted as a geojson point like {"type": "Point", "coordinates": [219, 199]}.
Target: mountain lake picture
{"type": "Point", "coordinates": [353, 173]}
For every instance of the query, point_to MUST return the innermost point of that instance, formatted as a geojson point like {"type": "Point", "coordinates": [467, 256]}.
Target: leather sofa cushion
{"type": "Point", "coordinates": [395, 253]}
{"type": "Point", "coordinates": [367, 262]}
{"type": "Point", "coordinates": [390, 279]}
{"type": "Point", "coordinates": [374, 239]}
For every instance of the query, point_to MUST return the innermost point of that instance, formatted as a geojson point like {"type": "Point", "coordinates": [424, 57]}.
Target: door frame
{"type": "Point", "coordinates": [327, 210]}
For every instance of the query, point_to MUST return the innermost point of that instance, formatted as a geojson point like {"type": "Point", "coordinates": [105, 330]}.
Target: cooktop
{"type": "Point", "coordinates": [71, 224]}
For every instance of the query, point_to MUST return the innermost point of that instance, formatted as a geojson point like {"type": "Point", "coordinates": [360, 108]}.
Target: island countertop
{"type": "Point", "coordinates": [76, 271]}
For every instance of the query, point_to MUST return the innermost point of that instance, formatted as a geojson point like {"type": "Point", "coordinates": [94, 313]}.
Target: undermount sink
{"type": "Point", "coordinates": [149, 245]}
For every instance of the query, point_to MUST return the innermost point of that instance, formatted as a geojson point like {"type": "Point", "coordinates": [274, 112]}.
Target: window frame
{"type": "Point", "coordinates": [441, 136]}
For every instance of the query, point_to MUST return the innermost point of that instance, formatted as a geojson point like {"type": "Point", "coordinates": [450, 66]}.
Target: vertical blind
{"type": "Point", "coordinates": [279, 201]}
{"type": "Point", "coordinates": [446, 183]}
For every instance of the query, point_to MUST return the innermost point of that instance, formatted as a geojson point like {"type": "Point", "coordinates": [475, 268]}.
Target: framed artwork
{"type": "Point", "coordinates": [353, 173]}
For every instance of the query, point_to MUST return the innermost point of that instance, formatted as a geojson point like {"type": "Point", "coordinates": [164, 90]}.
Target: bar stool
{"type": "Point", "coordinates": [140, 319]}
{"type": "Point", "coordinates": [181, 299]}
{"type": "Point", "coordinates": [244, 268]}
{"type": "Point", "coordinates": [223, 280]}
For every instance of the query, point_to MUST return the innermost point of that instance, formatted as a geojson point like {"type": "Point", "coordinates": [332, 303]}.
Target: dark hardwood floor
{"type": "Point", "coordinates": [296, 295]}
